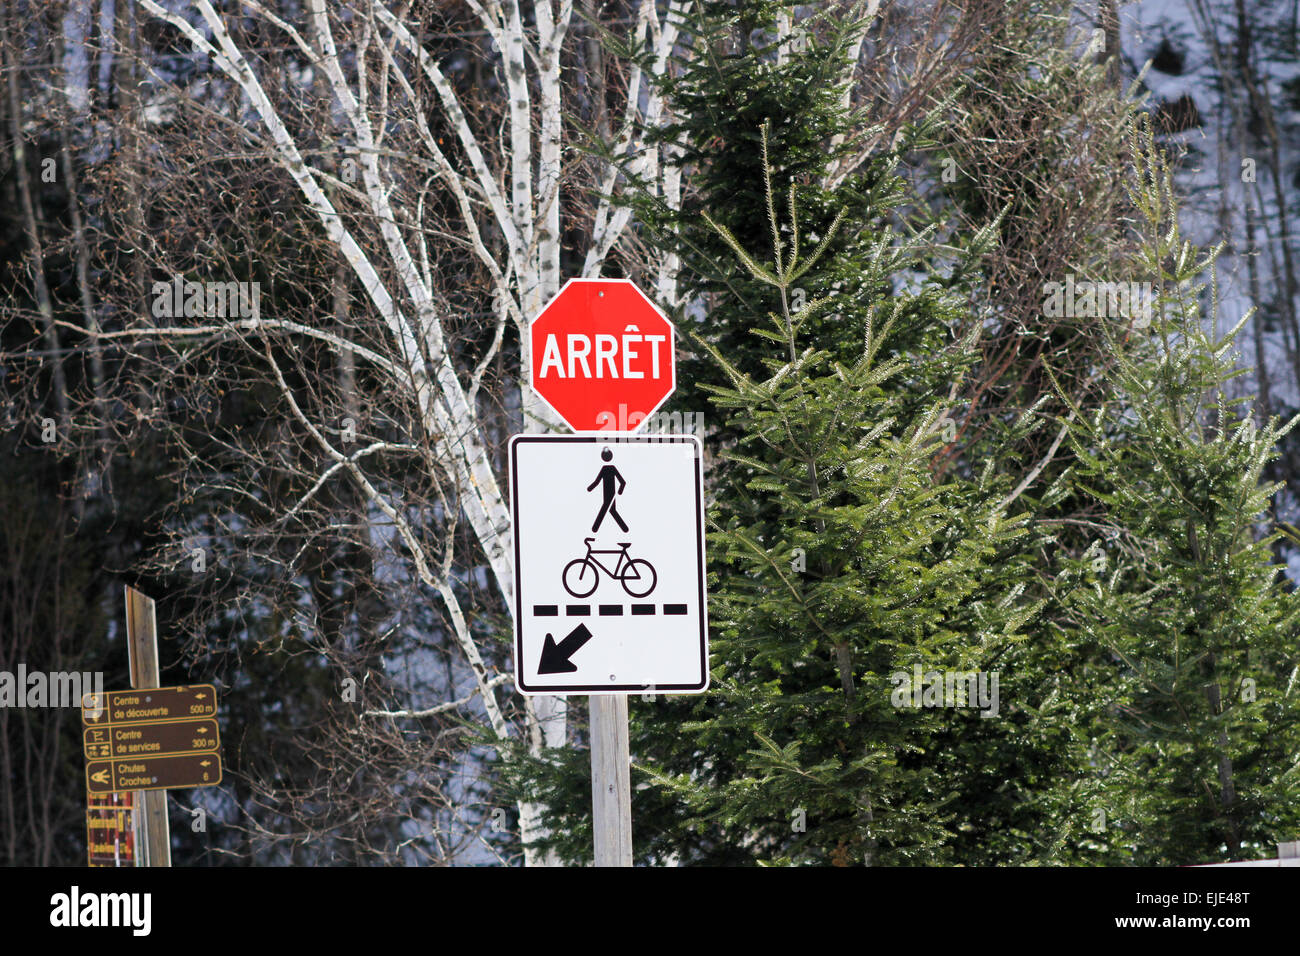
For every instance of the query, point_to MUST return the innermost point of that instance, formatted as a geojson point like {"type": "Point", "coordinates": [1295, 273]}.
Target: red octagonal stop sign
{"type": "Point", "coordinates": [602, 355]}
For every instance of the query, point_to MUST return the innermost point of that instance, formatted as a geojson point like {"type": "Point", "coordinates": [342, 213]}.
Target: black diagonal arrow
{"type": "Point", "coordinates": [555, 657]}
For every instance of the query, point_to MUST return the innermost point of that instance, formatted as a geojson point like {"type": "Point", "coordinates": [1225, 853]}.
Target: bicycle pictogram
{"type": "Point", "coordinates": [582, 575]}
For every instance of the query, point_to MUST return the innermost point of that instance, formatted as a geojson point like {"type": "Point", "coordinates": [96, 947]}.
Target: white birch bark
{"type": "Point", "coordinates": [517, 179]}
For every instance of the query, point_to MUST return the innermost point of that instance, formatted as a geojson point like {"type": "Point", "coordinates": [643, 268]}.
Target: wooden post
{"type": "Point", "coordinates": [611, 780]}
{"type": "Point", "coordinates": [154, 834]}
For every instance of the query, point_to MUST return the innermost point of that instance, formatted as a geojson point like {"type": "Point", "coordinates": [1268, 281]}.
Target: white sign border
{"type": "Point", "coordinates": [607, 689]}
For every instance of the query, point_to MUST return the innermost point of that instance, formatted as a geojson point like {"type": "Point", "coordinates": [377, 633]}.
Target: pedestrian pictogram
{"type": "Point", "coordinates": [606, 478]}
{"type": "Point", "coordinates": [621, 607]}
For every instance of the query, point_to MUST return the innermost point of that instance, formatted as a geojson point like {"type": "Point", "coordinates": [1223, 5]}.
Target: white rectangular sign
{"type": "Point", "coordinates": [609, 564]}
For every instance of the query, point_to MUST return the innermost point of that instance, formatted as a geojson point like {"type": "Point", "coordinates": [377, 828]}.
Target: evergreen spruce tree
{"type": "Point", "coordinates": [927, 785]}
{"type": "Point", "coordinates": [1199, 761]}
{"type": "Point", "coordinates": [734, 84]}
{"type": "Point", "coordinates": [839, 569]}
{"type": "Point", "coordinates": [1010, 786]}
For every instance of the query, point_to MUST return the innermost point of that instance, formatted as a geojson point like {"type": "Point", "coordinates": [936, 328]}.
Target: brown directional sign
{"type": "Point", "coordinates": [151, 740]}
{"type": "Point", "coordinates": [154, 773]}
{"type": "Point", "coordinates": [149, 706]}
{"type": "Point", "coordinates": [110, 829]}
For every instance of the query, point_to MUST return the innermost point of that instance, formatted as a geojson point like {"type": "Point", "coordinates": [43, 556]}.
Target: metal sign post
{"type": "Point", "coordinates": [609, 539]}
{"type": "Point", "coordinates": [138, 744]}
{"type": "Point", "coordinates": [142, 650]}
{"type": "Point", "coordinates": [611, 780]}
{"type": "Point", "coordinates": [609, 590]}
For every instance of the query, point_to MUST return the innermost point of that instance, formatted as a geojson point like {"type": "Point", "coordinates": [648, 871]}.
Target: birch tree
{"type": "Point", "coordinates": [413, 163]}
